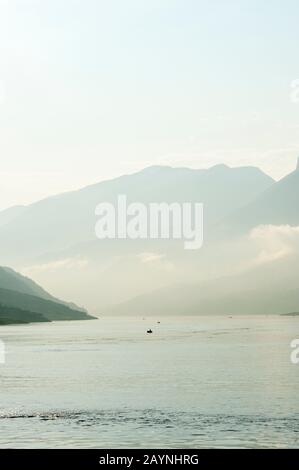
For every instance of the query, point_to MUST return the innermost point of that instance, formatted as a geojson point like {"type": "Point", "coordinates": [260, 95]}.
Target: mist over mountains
{"type": "Point", "coordinates": [251, 245]}
{"type": "Point", "coordinates": [267, 289]}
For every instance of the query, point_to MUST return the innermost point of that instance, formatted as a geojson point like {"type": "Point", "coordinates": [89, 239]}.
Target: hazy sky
{"type": "Point", "coordinates": [92, 89]}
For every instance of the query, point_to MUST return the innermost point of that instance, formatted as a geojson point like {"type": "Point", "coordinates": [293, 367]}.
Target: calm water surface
{"type": "Point", "coordinates": [195, 382]}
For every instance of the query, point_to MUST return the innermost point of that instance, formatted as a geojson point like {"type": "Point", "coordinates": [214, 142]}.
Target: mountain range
{"type": "Point", "coordinates": [23, 301]}
{"type": "Point", "coordinates": [249, 250]}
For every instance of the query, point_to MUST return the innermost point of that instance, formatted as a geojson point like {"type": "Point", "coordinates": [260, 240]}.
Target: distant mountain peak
{"type": "Point", "coordinates": [156, 168]}
{"type": "Point", "coordinates": [220, 166]}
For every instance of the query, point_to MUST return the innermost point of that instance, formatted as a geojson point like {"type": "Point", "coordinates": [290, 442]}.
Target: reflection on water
{"type": "Point", "coordinates": [196, 382]}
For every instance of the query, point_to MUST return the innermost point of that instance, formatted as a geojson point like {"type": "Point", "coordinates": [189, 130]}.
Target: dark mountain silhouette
{"type": "Point", "coordinates": [22, 299]}
{"type": "Point", "coordinates": [12, 316]}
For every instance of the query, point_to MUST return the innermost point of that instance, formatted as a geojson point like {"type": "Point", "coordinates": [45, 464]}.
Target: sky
{"type": "Point", "coordinates": [93, 89]}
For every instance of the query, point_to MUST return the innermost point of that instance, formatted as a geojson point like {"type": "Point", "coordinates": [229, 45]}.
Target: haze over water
{"type": "Point", "coordinates": [195, 382]}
